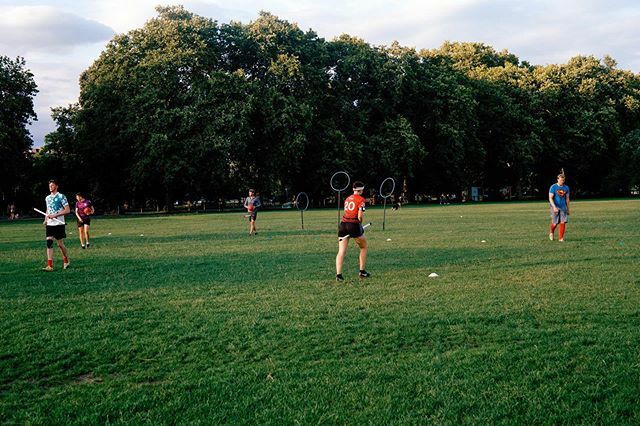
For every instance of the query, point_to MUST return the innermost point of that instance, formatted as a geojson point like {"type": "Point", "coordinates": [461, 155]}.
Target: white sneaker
{"type": "Point", "coordinates": [550, 236]}
{"type": "Point", "coordinates": [66, 265]}
{"type": "Point", "coordinates": [561, 240]}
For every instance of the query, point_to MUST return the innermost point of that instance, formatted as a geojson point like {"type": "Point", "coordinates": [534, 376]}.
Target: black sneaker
{"type": "Point", "coordinates": [339, 277]}
{"type": "Point", "coordinates": [88, 244]}
{"type": "Point", "coordinates": [364, 274]}
{"type": "Point", "coordinates": [82, 246]}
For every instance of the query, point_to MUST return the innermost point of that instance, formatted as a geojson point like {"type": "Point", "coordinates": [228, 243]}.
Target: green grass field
{"type": "Point", "coordinates": [196, 322]}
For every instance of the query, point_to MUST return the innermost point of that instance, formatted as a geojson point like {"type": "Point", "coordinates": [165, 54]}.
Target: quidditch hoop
{"type": "Point", "coordinates": [335, 181]}
{"type": "Point", "coordinates": [302, 201]}
{"type": "Point", "coordinates": [384, 191]}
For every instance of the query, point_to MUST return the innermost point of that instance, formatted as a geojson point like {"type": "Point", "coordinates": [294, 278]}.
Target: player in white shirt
{"type": "Point", "coordinates": [57, 207]}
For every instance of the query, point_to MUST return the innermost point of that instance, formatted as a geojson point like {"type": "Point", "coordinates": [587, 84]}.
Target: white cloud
{"type": "Point", "coordinates": [377, 22]}
{"type": "Point", "coordinates": [58, 86]}
{"type": "Point", "coordinates": [120, 15]}
{"type": "Point", "coordinates": [26, 29]}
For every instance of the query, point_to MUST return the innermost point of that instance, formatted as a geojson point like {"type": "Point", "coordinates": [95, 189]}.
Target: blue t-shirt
{"type": "Point", "coordinates": [560, 194]}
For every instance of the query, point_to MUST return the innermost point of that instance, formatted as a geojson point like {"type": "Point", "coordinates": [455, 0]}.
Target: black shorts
{"type": "Point", "coordinates": [85, 221]}
{"type": "Point", "coordinates": [56, 231]}
{"type": "Point", "coordinates": [353, 230]}
{"type": "Point", "coordinates": [253, 215]}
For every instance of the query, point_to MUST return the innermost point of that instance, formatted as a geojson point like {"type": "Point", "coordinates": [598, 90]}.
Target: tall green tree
{"type": "Point", "coordinates": [288, 81]}
{"type": "Point", "coordinates": [447, 118]}
{"type": "Point", "coordinates": [589, 108]}
{"type": "Point", "coordinates": [17, 89]}
{"type": "Point", "coordinates": [142, 102]}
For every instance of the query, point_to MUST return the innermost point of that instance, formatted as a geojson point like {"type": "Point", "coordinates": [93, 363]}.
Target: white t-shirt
{"type": "Point", "coordinates": [55, 204]}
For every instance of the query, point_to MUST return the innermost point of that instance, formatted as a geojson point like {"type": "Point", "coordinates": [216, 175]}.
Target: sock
{"type": "Point", "coordinates": [66, 260]}
{"type": "Point", "coordinates": [50, 263]}
{"type": "Point", "coordinates": [562, 227]}
{"type": "Point", "coordinates": [362, 270]}
{"type": "Point", "coordinates": [552, 228]}
{"type": "Point", "coordinates": [339, 275]}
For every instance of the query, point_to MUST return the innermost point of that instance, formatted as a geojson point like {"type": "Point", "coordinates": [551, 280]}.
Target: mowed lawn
{"type": "Point", "coordinates": [187, 319]}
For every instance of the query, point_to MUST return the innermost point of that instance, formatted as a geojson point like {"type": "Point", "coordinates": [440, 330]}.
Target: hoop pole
{"type": "Point", "coordinates": [384, 213]}
{"type": "Point", "coordinates": [302, 218]}
{"type": "Point", "coordinates": [393, 188]}
{"type": "Point", "coordinates": [339, 192]}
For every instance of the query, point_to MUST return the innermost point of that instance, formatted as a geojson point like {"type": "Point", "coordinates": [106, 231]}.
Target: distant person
{"type": "Point", "coordinates": [57, 207]}
{"type": "Point", "coordinates": [351, 225]}
{"type": "Point", "coordinates": [396, 203]}
{"type": "Point", "coordinates": [12, 211]}
{"type": "Point", "coordinates": [252, 204]}
{"type": "Point", "coordinates": [559, 206]}
{"type": "Point", "coordinates": [84, 209]}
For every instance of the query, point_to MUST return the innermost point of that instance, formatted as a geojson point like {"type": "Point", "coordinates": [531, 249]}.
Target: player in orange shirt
{"type": "Point", "coordinates": [351, 225]}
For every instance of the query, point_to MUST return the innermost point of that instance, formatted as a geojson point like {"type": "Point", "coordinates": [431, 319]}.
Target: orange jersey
{"type": "Point", "coordinates": [352, 205]}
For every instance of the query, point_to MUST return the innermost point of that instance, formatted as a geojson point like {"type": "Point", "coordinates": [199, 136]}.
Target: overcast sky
{"type": "Point", "coordinates": [60, 39]}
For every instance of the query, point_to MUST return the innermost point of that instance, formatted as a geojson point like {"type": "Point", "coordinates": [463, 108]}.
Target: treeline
{"type": "Point", "coordinates": [17, 89]}
{"type": "Point", "coordinates": [187, 107]}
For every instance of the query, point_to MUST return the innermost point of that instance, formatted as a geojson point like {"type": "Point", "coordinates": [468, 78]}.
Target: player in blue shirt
{"type": "Point", "coordinates": [559, 206]}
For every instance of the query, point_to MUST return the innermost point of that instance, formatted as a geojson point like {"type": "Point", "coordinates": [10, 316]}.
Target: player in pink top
{"type": "Point", "coordinates": [84, 209]}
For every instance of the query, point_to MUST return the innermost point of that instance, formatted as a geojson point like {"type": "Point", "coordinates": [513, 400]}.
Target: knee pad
{"type": "Point", "coordinates": [49, 243]}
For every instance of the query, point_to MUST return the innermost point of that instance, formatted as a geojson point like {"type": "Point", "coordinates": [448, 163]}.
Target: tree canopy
{"type": "Point", "coordinates": [186, 107]}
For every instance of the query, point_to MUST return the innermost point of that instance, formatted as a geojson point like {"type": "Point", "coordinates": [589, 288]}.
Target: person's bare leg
{"type": "Point", "coordinates": [50, 251]}
{"type": "Point", "coordinates": [63, 248]}
{"type": "Point", "coordinates": [362, 243]}
{"type": "Point", "coordinates": [86, 234]}
{"type": "Point", "coordinates": [81, 236]}
{"type": "Point", "coordinates": [342, 251]}
{"type": "Point", "coordinates": [65, 254]}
